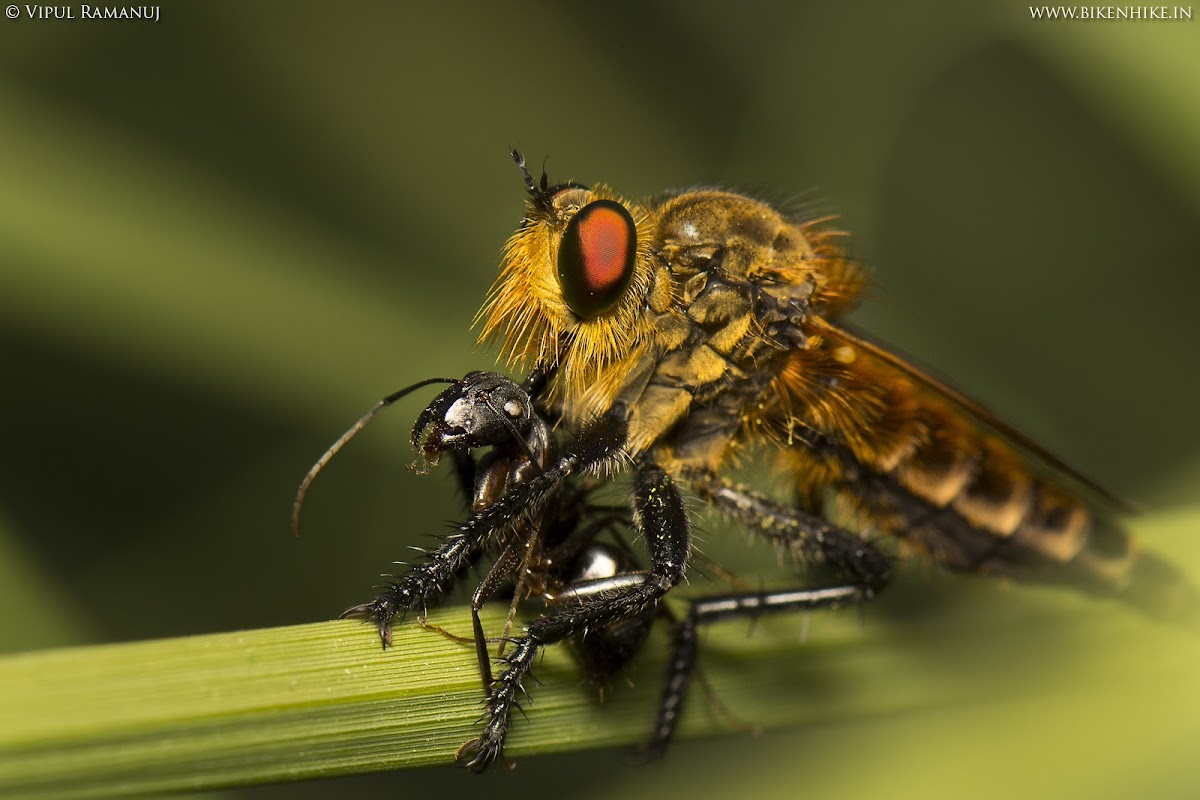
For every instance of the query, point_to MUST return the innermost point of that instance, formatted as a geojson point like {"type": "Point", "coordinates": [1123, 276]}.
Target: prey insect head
{"type": "Point", "coordinates": [481, 410]}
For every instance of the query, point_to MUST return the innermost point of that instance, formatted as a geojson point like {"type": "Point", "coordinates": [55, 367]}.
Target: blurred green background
{"type": "Point", "coordinates": [224, 235]}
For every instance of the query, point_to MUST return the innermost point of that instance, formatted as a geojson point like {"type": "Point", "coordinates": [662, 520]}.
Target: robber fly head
{"type": "Point", "coordinates": [575, 279]}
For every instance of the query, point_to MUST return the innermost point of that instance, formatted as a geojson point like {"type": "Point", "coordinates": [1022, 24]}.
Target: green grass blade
{"type": "Point", "coordinates": [323, 699]}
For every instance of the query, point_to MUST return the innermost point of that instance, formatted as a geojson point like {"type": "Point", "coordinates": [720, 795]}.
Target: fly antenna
{"type": "Point", "coordinates": [530, 183]}
{"type": "Point", "coordinates": [539, 190]}
{"type": "Point", "coordinates": [344, 439]}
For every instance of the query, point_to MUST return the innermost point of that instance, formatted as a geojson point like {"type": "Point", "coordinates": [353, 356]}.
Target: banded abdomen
{"type": "Point", "coordinates": [917, 460]}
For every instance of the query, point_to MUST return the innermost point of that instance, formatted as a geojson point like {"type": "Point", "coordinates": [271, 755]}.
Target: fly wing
{"type": "Point", "coordinates": [981, 415]}
{"type": "Point", "coordinates": [925, 462]}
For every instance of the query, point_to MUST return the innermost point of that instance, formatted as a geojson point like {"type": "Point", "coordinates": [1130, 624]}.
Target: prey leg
{"type": "Point", "coordinates": [664, 524]}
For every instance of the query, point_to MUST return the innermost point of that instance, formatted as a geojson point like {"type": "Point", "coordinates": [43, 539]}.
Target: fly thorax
{"type": "Point", "coordinates": [738, 287]}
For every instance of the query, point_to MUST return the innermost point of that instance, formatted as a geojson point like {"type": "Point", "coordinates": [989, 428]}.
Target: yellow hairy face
{"type": "Point", "coordinates": [572, 287]}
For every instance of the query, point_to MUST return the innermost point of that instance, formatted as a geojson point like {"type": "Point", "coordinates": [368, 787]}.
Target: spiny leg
{"type": "Point", "coordinates": [603, 651]}
{"type": "Point", "coordinates": [421, 586]}
{"type": "Point", "coordinates": [430, 580]}
{"type": "Point", "coordinates": [810, 539]}
{"type": "Point", "coordinates": [721, 607]}
{"type": "Point", "coordinates": [663, 521]}
{"type": "Point", "coordinates": [507, 562]}
{"type": "Point", "coordinates": [598, 443]}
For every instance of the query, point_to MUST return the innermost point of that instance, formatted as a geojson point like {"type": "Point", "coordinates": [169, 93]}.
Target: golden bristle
{"type": "Point", "coordinates": [526, 313]}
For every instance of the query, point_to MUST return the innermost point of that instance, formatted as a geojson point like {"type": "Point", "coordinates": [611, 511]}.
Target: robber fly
{"type": "Point", "coordinates": [666, 339]}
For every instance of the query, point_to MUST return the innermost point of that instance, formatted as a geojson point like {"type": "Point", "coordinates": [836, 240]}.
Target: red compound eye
{"type": "Point", "coordinates": [595, 258]}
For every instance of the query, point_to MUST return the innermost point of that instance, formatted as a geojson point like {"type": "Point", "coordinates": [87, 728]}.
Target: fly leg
{"type": "Point", "coordinates": [475, 425]}
{"type": "Point", "coordinates": [420, 586]}
{"type": "Point", "coordinates": [722, 607]}
{"type": "Point", "coordinates": [807, 537]}
{"type": "Point", "coordinates": [599, 443]}
{"type": "Point", "coordinates": [864, 569]}
{"type": "Point", "coordinates": [483, 409]}
{"type": "Point", "coordinates": [512, 559]}
{"type": "Point", "coordinates": [663, 521]}
{"type": "Point", "coordinates": [602, 651]}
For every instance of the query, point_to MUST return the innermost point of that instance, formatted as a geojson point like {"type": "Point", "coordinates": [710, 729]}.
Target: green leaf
{"type": "Point", "coordinates": [324, 699]}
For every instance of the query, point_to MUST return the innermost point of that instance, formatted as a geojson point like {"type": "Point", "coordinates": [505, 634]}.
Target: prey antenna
{"type": "Point", "coordinates": [346, 437]}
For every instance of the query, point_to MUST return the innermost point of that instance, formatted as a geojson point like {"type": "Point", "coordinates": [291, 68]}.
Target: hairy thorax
{"type": "Point", "coordinates": [707, 320]}
{"type": "Point", "coordinates": [731, 288]}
